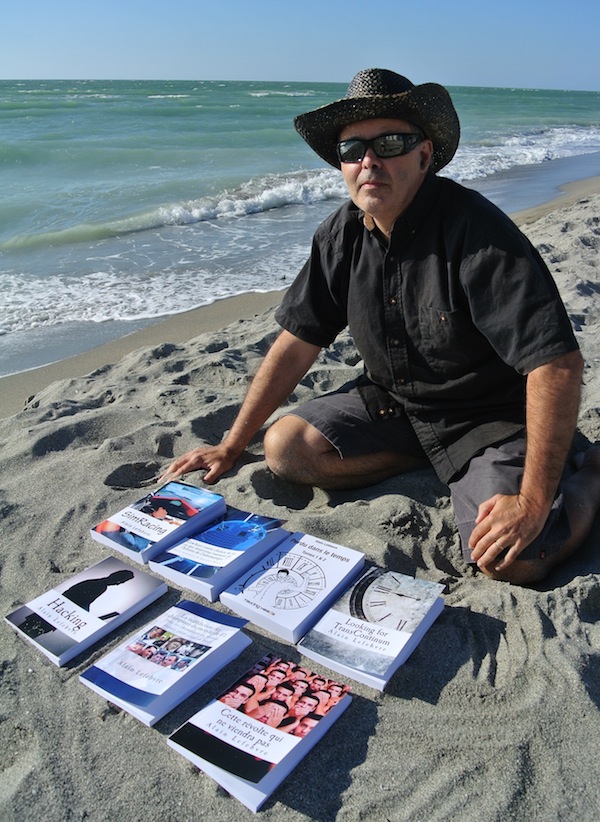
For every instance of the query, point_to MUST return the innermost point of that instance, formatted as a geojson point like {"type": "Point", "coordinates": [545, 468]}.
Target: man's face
{"type": "Point", "coordinates": [269, 713]}
{"type": "Point", "coordinates": [275, 677]}
{"type": "Point", "coordinates": [281, 693]}
{"type": "Point", "coordinates": [384, 188]}
{"type": "Point", "coordinates": [304, 726]}
{"type": "Point", "coordinates": [237, 696]}
{"type": "Point", "coordinates": [305, 705]}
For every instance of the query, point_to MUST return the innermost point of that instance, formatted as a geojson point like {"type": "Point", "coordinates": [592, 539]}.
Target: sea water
{"type": "Point", "coordinates": [126, 201]}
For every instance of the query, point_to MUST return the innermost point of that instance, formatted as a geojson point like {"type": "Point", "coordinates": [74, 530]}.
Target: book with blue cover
{"type": "Point", "coordinates": [211, 560]}
{"type": "Point", "coordinates": [159, 520]}
{"type": "Point", "coordinates": [171, 657]}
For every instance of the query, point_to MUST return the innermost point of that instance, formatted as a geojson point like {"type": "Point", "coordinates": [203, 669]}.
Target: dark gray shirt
{"type": "Point", "coordinates": [449, 316]}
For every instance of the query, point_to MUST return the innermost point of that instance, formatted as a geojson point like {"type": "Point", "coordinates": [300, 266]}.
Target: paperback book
{"type": "Point", "coordinates": [290, 588]}
{"type": "Point", "coordinates": [374, 626]}
{"type": "Point", "coordinates": [251, 737]}
{"type": "Point", "coordinates": [152, 672]}
{"type": "Point", "coordinates": [214, 558]}
{"type": "Point", "coordinates": [68, 619]}
{"type": "Point", "coordinates": [159, 520]}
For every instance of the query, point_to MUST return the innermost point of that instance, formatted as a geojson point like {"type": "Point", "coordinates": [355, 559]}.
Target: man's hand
{"type": "Point", "coordinates": [215, 460]}
{"type": "Point", "coordinates": [505, 523]}
{"type": "Point", "coordinates": [511, 523]}
{"type": "Point", "coordinates": [286, 362]}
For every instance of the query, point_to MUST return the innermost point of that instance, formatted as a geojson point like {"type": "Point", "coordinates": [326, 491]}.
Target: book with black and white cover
{"type": "Point", "coordinates": [249, 745]}
{"type": "Point", "coordinates": [171, 657]}
{"type": "Point", "coordinates": [289, 589]}
{"type": "Point", "coordinates": [159, 520]}
{"type": "Point", "coordinates": [374, 626]}
{"type": "Point", "coordinates": [215, 557]}
{"type": "Point", "coordinates": [69, 618]}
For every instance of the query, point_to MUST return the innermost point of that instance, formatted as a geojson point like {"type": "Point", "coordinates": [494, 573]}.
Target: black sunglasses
{"type": "Point", "coordinates": [387, 145]}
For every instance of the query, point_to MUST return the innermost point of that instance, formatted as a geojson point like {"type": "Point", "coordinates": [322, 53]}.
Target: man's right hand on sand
{"type": "Point", "coordinates": [214, 459]}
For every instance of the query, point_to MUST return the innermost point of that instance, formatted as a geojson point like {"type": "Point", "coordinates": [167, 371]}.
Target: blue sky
{"type": "Point", "coordinates": [522, 43]}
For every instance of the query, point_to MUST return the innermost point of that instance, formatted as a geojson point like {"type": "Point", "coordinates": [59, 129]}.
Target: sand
{"type": "Point", "coordinates": [494, 717]}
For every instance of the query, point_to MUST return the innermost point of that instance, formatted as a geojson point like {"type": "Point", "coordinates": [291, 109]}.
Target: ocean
{"type": "Point", "coordinates": [124, 202]}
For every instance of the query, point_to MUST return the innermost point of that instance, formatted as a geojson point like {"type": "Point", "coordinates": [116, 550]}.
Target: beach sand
{"type": "Point", "coordinates": [494, 717]}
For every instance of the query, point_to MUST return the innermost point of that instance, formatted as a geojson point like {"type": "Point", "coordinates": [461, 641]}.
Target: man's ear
{"type": "Point", "coordinates": [426, 149]}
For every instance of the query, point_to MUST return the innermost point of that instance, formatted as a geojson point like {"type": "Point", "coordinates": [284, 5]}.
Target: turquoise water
{"type": "Point", "coordinates": [126, 201]}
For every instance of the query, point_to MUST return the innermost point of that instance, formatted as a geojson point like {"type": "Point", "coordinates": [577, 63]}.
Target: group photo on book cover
{"type": "Point", "coordinates": [168, 659]}
{"type": "Point", "coordinates": [256, 731]}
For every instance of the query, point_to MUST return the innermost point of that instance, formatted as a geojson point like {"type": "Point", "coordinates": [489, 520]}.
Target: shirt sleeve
{"type": "Point", "coordinates": [514, 300]}
{"type": "Point", "coordinates": [314, 308]}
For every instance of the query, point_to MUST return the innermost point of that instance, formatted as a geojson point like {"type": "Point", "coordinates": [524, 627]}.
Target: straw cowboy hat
{"type": "Point", "coordinates": [379, 93]}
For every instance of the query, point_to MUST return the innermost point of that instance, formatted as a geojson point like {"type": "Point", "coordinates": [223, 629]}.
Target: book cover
{"type": "Point", "coordinates": [251, 737]}
{"type": "Point", "coordinates": [288, 590]}
{"type": "Point", "coordinates": [374, 626]}
{"type": "Point", "coordinates": [66, 620]}
{"type": "Point", "coordinates": [160, 666]}
{"type": "Point", "coordinates": [158, 520]}
{"type": "Point", "coordinates": [215, 557]}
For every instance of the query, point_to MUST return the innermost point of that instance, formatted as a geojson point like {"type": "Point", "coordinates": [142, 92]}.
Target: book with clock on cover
{"type": "Point", "coordinates": [167, 660]}
{"type": "Point", "coordinates": [214, 558]}
{"type": "Point", "coordinates": [77, 612]}
{"type": "Point", "coordinates": [374, 626]}
{"type": "Point", "coordinates": [251, 737]}
{"type": "Point", "coordinates": [290, 588]}
{"type": "Point", "coordinates": [158, 520]}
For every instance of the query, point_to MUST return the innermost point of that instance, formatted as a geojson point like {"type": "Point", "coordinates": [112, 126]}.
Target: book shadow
{"type": "Point", "coordinates": [316, 787]}
{"type": "Point", "coordinates": [458, 637]}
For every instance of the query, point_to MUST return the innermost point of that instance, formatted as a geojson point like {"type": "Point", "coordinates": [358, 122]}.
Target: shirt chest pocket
{"type": "Point", "coordinates": [447, 337]}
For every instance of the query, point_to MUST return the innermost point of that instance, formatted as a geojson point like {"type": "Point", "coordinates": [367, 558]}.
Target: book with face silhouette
{"type": "Point", "coordinates": [79, 611]}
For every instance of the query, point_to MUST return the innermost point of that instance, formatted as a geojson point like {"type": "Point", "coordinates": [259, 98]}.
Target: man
{"type": "Point", "coordinates": [470, 361]}
{"type": "Point", "coordinates": [306, 724]}
{"type": "Point", "coordinates": [238, 696]}
{"type": "Point", "coordinates": [305, 705]}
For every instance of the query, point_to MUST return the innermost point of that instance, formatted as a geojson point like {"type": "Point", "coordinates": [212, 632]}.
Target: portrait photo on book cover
{"type": "Point", "coordinates": [104, 590]}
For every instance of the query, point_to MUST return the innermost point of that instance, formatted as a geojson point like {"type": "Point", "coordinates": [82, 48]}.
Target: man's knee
{"type": "Point", "coordinates": [521, 572]}
{"type": "Point", "coordinates": [291, 443]}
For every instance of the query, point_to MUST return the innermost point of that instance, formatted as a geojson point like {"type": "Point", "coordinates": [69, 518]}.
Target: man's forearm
{"type": "Point", "coordinates": [553, 395]}
{"type": "Point", "coordinates": [285, 364]}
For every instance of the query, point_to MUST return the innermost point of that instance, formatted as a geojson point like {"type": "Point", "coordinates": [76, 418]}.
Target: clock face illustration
{"type": "Point", "coordinates": [285, 581]}
{"type": "Point", "coordinates": [381, 597]}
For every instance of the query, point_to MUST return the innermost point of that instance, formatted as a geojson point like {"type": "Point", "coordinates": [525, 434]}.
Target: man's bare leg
{"type": "Point", "coordinates": [582, 500]}
{"type": "Point", "coordinates": [296, 451]}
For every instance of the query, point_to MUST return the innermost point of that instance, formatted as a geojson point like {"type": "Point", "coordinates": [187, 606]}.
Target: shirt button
{"type": "Point", "coordinates": [393, 301]}
{"type": "Point", "coordinates": [382, 412]}
{"type": "Point", "coordinates": [395, 342]}
{"type": "Point", "coordinates": [401, 381]}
